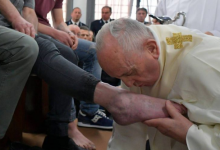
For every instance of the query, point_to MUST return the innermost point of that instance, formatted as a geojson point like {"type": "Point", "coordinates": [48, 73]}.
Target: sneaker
{"type": "Point", "coordinates": [98, 120]}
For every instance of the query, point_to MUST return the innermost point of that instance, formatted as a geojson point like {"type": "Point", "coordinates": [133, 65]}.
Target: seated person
{"type": "Point", "coordinates": [18, 53]}
{"type": "Point", "coordinates": [87, 55]}
{"type": "Point", "coordinates": [84, 33]}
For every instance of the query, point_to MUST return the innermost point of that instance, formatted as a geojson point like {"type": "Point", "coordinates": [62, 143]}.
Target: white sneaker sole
{"type": "Point", "coordinates": [80, 124]}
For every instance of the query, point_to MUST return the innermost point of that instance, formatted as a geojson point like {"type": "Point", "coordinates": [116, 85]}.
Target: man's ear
{"type": "Point", "coordinates": [152, 48]}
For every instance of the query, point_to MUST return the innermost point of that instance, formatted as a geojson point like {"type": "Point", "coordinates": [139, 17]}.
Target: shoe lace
{"type": "Point", "coordinates": [102, 113]}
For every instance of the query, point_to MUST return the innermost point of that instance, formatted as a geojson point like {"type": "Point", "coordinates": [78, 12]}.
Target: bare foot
{"type": "Point", "coordinates": [79, 138]}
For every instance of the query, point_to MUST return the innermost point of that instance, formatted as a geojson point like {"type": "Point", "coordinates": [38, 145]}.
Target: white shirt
{"type": "Point", "coordinates": [75, 23]}
{"type": "Point", "coordinates": [203, 15]}
{"type": "Point", "coordinates": [106, 20]}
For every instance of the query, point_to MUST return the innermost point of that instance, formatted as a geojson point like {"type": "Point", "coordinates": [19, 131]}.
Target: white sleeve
{"type": "Point", "coordinates": [197, 88]}
{"type": "Point", "coordinates": [161, 8]}
{"type": "Point", "coordinates": [203, 137]}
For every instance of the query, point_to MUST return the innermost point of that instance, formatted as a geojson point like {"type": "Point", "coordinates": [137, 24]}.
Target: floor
{"type": "Point", "coordinates": [99, 137]}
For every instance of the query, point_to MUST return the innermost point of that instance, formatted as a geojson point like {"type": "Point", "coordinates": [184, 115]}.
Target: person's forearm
{"type": "Point", "coordinates": [9, 11]}
{"type": "Point", "coordinates": [61, 26]}
{"type": "Point", "coordinates": [127, 107]}
{"type": "Point", "coordinates": [47, 30]}
{"type": "Point", "coordinates": [30, 15]}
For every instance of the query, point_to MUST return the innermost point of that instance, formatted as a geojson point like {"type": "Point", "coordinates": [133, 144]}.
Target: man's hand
{"type": "Point", "coordinates": [180, 108]}
{"type": "Point", "coordinates": [23, 26]}
{"type": "Point", "coordinates": [155, 22]}
{"type": "Point", "coordinates": [175, 127]}
{"type": "Point", "coordinates": [74, 40]}
{"type": "Point", "coordinates": [63, 37]}
{"type": "Point", "coordinates": [209, 33]}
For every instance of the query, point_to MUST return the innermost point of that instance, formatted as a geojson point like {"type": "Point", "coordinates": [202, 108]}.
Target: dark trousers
{"type": "Point", "coordinates": [57, 65]}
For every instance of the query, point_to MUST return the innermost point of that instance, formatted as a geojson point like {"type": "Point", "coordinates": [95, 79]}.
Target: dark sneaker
{"type": "Point", "coordinates": [98, 120]}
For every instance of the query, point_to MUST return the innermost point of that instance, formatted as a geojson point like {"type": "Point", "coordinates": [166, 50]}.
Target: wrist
{"type": "Point", "coordinates": [70, 33]}
{"type": "Point", "coordinates": [15, 19]}
{"type": "Point", "coordinates": [54, 33]}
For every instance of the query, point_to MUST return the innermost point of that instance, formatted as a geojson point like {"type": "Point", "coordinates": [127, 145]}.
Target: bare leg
{"type": "Point", "coordinates": [79, 138]}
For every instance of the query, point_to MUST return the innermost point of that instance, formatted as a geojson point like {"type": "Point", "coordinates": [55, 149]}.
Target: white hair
{"type": "Point", "coordinates": [129, 34]}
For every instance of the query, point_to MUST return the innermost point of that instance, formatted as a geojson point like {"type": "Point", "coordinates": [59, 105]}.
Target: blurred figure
{"type": "Point", "coordinates": [97, 24]}
{"type": "Point", "coordinates": [75, 17]}
{"type": "Point", "coordinates": [84, 33]}
{"type": "Point", "coordinates": [200, 14]}
{"type": "Point", "coordinates": [141, 15]}
{"type": "Point", "coordinates": [91, 36]}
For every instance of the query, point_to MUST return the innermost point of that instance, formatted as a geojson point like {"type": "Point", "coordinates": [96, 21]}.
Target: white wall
{"type": "Point", "coordinates": [82, 5]}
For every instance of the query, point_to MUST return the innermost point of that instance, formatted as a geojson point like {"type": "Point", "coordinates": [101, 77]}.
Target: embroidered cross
{"type": "Point", "coordinates": [178, 39]}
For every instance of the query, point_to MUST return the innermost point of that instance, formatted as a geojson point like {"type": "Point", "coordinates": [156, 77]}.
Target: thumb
{"type": "Point", "coordinates": [154, 122]}
{"type": "Point", "coordinates": [172, 111]}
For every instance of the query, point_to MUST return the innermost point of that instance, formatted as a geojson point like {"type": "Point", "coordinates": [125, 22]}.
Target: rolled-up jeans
{"type": "Point", "coordinates": [56, 64]}
{"type": "Point", "coordinates": [90, 64]}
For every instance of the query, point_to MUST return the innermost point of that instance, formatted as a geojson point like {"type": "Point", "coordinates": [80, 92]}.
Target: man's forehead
{"type": "Point", "coordinates": [77, 10]}
{"type": "Point", "coordinates": [113, 62]}
{"type": "Point", "coordinates": [105, 10]}
{"type": "Point", "coordinates": [141, 11]}
{"type": "Point", "coordinates": [84, 31]}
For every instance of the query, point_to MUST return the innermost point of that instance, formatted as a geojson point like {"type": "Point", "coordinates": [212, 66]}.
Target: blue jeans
{"type": "Point", "coordinates": [56, 64]}
{"type": "Point", "coordinates": [91, 65]}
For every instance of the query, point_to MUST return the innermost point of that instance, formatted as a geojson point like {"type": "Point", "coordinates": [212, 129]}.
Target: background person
{"type": "Point", "coordinates": [141, 15]}
{"type": "Point", "coordinates": [200, 14]}
{"type": "Point", "coordinates": [75, 18]}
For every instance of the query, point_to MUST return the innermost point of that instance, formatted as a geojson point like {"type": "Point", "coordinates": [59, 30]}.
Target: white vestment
{"type": "Point", "coordinates": [203, 15]}
{"type": "Point", "coordinates": [189, 74]}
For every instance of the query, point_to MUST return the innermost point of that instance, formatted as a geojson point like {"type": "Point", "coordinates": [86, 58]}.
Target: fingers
{"type": "Point", "coordinates": [70, 42]}
{"type": "Point", "coordinates": [32, 32]}
{"type": "Point", "coordinates": [22, 30]}
{"type": "Point", "coordinates": [172, 110]}
{"type": "Point", "coordinates": [27, 29]}
{"type": "Point", "coordinates": [75, 42]}
{"type": "Point", "coordinates": [154, 122]}
{"type": "Point", "coordinates": [182, 109]}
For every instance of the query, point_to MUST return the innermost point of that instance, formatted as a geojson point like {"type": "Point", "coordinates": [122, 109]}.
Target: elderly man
{"type": "Point", "coordinates": [168, 62]}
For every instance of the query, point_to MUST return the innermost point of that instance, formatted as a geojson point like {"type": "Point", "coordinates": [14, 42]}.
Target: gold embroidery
{"type": "Point", "coordinates": [178, 39]}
